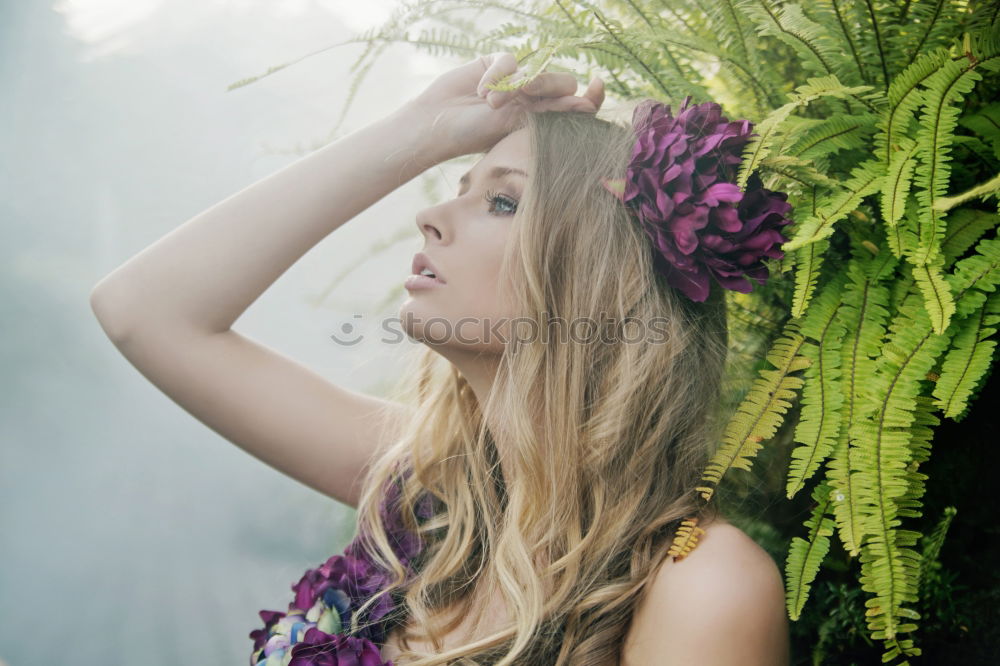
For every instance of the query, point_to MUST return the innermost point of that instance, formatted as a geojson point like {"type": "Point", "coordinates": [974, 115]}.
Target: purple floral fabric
{"type": "Point", "coordinates": [314, 629]}
{"type": "Point", "coordinates": [681, 184]}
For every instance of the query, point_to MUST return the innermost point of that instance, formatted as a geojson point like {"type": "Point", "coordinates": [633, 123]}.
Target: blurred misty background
{"type": "Point", "coordinates": [130, 533]}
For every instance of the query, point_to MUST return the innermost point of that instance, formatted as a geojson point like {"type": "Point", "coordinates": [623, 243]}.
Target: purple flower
{"type": "Point", "coordinates": [321, 649]}
{"type": "Point", "coordinates": [336, 590]}
{"type": "Point", "coordinates": [680, 183]}
{"type": "Point", "coordinates": [260, 636]}
{"type": "Point", "coordinates": [344, 583]}
{"type": "Point", "coordinates": [405, 544]}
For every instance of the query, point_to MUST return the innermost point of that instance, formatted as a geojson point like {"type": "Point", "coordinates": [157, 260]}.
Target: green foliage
{"type": "Point", "coordinates": [880, 121]}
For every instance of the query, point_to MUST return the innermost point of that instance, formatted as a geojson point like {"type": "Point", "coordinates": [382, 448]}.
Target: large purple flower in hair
{"type": "Point", "coordinates": [680, 183]}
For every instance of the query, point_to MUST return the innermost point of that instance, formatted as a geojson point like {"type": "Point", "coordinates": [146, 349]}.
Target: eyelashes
{"type": "Point", "coordinates": [492, 197]}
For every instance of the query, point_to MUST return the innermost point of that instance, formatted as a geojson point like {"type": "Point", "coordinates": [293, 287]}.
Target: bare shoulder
{"type": "Point", "coordinates": [723, 604]}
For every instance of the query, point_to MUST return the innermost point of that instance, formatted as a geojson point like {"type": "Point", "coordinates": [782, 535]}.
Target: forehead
{"type": "Point", "coordinates": [513, 149]}
{"type": "Point", "coordinates": [513, 152]}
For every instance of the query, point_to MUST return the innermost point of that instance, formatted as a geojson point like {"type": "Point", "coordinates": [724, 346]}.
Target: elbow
{"type": "Point", "coordinates": [109, 312]}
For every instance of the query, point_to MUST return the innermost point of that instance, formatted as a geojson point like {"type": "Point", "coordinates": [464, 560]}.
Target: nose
{"type": "Point", "coordinates": [429, 229]}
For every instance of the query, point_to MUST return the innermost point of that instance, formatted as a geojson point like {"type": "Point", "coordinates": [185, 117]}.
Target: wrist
{"type": "Point", "coordinates": [425, 142]}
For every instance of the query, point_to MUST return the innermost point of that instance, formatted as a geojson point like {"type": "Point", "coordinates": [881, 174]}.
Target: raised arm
{"type": "Point", "coordinates": [170, 308]}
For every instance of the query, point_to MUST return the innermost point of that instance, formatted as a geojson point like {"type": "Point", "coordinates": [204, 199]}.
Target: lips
{"type": "Point", "coordinates": [422, 261]}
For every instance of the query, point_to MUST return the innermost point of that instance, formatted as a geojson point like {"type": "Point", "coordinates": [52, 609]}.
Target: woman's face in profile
{"type": "Point", "coordinates": [464, 240]}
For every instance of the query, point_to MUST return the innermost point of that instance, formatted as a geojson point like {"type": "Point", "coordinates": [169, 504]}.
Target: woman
{"type": "Point", "coordinates": [519, 509]}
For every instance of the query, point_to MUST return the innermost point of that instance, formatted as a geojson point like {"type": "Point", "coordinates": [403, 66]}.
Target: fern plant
{"type": "Point", "coordinates": [880, 120]}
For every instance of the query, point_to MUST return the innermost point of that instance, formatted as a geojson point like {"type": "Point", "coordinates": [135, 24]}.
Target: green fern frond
{"type": "Point", "coordinates": [833, 15]}
{"type": "Point", "coordinates": [820, 417]}
{"type": "Point", "coordinates": [932, 544]}
{"type": "Point", "coordinates": [921, 433]}
{"type": "Point", "coordinates": [796, 170]}
{"type": "Point", "coordinates": [985, 17]}
{"type": "Point", "coordinates": [969, 359]}
{"type": "Point", "coordinates": [840, 132]}
{"type": "Point", "coordinates": [904, 359]}
{"type": "Point", "coordinates": [889, 569]}
{"type": "Point", "coordinates": [767, 131]}
{"type": "Point", "coordinates": [761, 411]}
{"type": "Point", "coordinates": [897, 181]}
{"type": "Point", "coordinates": [872, 24]}
{"type": "Point", "coordinates": [633, 45]}
{"type": "Point", "coordinates": [901, 237]}
{"type": "Point", "coordinates": [806, 555]}
{"type": "Point", "coordinates": [881, 453]}
{"type": "Point", "coordinates": [976, 275]}
{"type": "Point", "coordinates": [817, 48]}
{"type": "Point", "coordinates": [903, 97]}
{"type": "Point", "coordinates": [808, 261]}
{"type": "Point", "coordinates": [929, 26]}
{"type": "Point", "coordinates": [937, 126]}
{"type": "Point", "coordinates": [862, 315]}
{"type": "Point", "coordinates": [986, 123]}
{"type": "Point", "coordinates": [938, 301]}
{"type": "Point", "coordinates": [732, 28]}
{"type": "Point", "coordinates": [965, 227]}
{"type": "Point", "coordinates": [866, 178]}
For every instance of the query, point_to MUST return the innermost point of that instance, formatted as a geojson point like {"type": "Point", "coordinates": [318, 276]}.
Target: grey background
{"type": "Point", "coordinates": [130, 533]}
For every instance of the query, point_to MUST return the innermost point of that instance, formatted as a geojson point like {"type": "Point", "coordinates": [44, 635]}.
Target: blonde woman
{"type": "Point", "coordinates": [517, 496]}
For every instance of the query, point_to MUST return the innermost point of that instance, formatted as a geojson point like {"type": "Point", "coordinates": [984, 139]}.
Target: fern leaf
{"type": "Point", "coordinates": [897, 181]}
{"type": "Point", "coordinates": [974, 276]}
{"type": "Point", "coordinates": [685, 539]}
{"type": "Point", "coordinates": [793, 169]}
{"type": "Point", "coordinates": [820, 418]}
{"type": "Point", "coordinates": [909, 505]}
{"type": "Point", "coordinates": [937, 125]}
{"type": "Point", "coordinates": [806, 555]}
{"type": "Point", "coordinates": [760, 146]}
{"type": "Point", "coordinates": [838, 132]}
{"type": "Point", "coordinates": [903, 98]}
{"type": "Point", "coordinates": [846, 509]}
{"type": "Point", "coordinates": [933, 26]}
{"type": "Point", "coordinates": [818, 49]}
{"type": "Point", "coordinates": [969, 359]}
{"type": "Point", "coordinates": [761, 411]}
{"type": "Point", "coordinates": [938, 299]}
{"type": "Point", "coordinates": [904, 359]}
{"type": "Point", "coordinates": [986, 123]}
{"type": "Point", "coordinates": [932, 544]}
{"type": "Point", "coordinates": [965, 227]}
{"type": "Point", "coordinates": [862, 315]}
{"type": "Point", "coordinates": [840, 25]}
{"type": "Point", "coordinates": [866, 178]}
{"type": "Point", "coordinates": [881, 456]}
{"type": "Point", "coordinates": [808, 261]}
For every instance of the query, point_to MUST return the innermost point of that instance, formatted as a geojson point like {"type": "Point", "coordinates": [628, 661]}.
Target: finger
{"type": "Point", "coordinates": [595, 92]}
{"type": "Point", "coordinates": [545, 84]}
{"type": "Point", "coordinates": [498, 65]}
{"type": "Point", "coordinates": [551, 84]}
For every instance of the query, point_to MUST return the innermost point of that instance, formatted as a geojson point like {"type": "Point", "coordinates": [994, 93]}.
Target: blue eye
{"type": "Point", "coordinates": [492, 198]}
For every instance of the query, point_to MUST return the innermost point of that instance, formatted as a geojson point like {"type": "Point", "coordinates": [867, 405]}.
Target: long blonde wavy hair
{"type": "Point", "coordinates": [604, 440]}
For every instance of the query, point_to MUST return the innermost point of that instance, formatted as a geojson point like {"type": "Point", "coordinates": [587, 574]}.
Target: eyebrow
{"type": "Point", "coordinates": [495, 172]}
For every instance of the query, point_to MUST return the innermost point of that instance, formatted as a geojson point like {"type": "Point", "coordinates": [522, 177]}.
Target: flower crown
{"type": "Point", "coordinates": [680, 183]}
